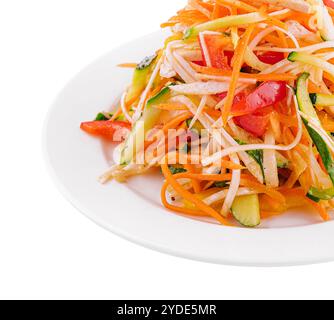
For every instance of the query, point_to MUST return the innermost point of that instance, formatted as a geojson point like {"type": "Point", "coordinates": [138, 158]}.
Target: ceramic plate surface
{"type": "Point", "coordinates": [133, 210]}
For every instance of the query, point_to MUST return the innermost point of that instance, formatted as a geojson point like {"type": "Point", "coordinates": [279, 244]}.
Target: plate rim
{"type": "Point", "coordinates": [76, 203]}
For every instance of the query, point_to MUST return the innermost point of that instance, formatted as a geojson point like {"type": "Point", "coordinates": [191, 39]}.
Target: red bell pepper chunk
{"type": "Point", "coordinates": [200, 63]}
{"type": "Point", "coordinates": [229, 55]}
{"type": "Point", "coordinates": [115, 131]}
{"type": "Point", "coordinates": [215, 45]}
{"type": "Point", "coordinates": [267, 94]}
{"type": "Point", "coordinates": [329, 3]}
{"type": "Point", "coordinates": [255, 124]}
{"type": "Point", "coordinates": [271, 57]}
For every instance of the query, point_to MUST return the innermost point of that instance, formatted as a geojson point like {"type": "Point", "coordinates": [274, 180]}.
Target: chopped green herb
{"type": "Point", "coordinates": [257, 155]}
{"type": "Point", "coordinates": [220, 184]}
{"type": "Point", "coordinates": [327, 194]}
{"type": "Point", "coordinates": [313, 198]}
{"type": "Point", "coordinates": [101, 117]}
{"type": "Point", "coordinates": [176, 170]}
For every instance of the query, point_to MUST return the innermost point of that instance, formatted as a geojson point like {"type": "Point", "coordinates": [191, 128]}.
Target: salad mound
{"type": "Point", "coordinates": [237, 111]}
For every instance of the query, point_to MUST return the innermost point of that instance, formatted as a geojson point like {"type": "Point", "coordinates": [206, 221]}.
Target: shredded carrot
{"type": "Point", "coordinates": [246, 180]}
{"type": "Point", "coordinates": [219, 12]}
{"type": "Point", "coordinates": [209, 185]}
{"type": "Point", "coordinates": [182, 210]}
{"type": "Point", "coordinates": [119, 110]}
{"type": "Point", "coordinates": [256, 76]}
{"type": "Point", "coordinates": [190, 197]}
{"type": "Point", "coordinates": [238, 5]}
{"type": "Point", "coordinates": [237, 64]}
{"type": "Point", "coordinates": [128, 65]}
{"type": "Point", "coordinates": [231, 165]}
{"type": "Point", "coordinates": [269, 214]}
{"type": "Point", "coordinates": [171, 106]}
{"type": "Point", "coordinates": [176, 121]}
{"type": "Point", "coordinates": [284, 41]}
{"type": "Point", "coordinates": [239, 97]}
{"type": "Point", "coordinates": [320, 209]}
{"type": "Point", "coordinates": [195, 183]}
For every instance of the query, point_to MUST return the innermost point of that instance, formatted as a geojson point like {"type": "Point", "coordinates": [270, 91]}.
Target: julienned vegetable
{"type": "Point", "coordinates": [140, 77]}
{"type": "Point", "coordinates": [115, 131]}
{"type": "Point", "coordinates": [246, 210]}
{"type": "Point", "coordinates": [266, 95]}
{"type": "Point", "coordinates": [225, 22]}
{"type": "Point", "coordinates": [134, 141]}
{"type": "Point", "coordinates": [305, 105]}
{"type": "Point", "coordinates": [303, 97]}
{"type": "Point", "coordinates": [240, 100]}
{"type": "Point", "coordinates": [326, 194]}
{"type": "Point", "coordinates": [312, 60]}
{"type": "Point", "coordinates": [322, 100]}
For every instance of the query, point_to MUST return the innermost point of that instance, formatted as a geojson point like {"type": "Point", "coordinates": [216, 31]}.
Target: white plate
{"type": "Point", "coordinates": [133, 210]}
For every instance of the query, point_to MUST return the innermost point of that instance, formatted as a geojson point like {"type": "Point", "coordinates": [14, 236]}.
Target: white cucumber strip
{"type": "Point", "coordinates": [225, 22]}
{"type": "Point", "coordinates": [322, 100]}
{"type": "Point", "coordinates": [312, 60]}
{"type": "Point", "coordinates": [304, 101]}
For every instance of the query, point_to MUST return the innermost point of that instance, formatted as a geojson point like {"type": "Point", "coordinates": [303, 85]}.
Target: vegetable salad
{"type": "Point", "coordinates": [237, 111]}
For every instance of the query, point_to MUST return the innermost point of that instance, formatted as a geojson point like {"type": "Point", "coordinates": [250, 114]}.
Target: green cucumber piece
{"type": "Point", "coordinates": [311, 60]}
{"type": "Point", "coordinates": [327, 26]}
{"type": "Point", "coordinates": [225, 22]}
{"type": "Point", "coordinates": [101, 117]}
{"type": "Point", "coordinates": [257, 155]}
{"type": "Point", "coordinates": [159, 97]}
{"type": "Point", "coordinates": [197, 127]}
{"type": "Point", "coordinates": [220, 184]}
{"type": "Point", "coordinates": [150, 116]}
{"type": "Point", "coordinates": [327, 194]}
{"type": "Point", "coordinates": [140, 77]}
{"type": "Point", "coordinates": [322, 100]}
{"type": "Point", "coordinates": [304, 101]}
{"type": "Point", "coordinates": [282, 162]}
{"type": "Point", "coordinates": [306, 106]}
{"type": "Point", "coordinates": [246, 210]}
{"type": "Point", "coordinates": [323, 150]}
{"type": "Point", "coordinates": [176, 170]}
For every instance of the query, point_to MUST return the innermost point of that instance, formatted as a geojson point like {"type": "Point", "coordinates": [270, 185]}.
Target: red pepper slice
{"type": "Point", "coordinates": [267, 94]}
{"type": "Point", "coordinates": [200, 63]}
{"type": "Point", "coordinates": [271, 57]}
{"type": "Point", "coordinates": [329, 3]}
{"type": "Point", "coordinates": [215, 45]}
{"type": "Point", "coordinates": [251, 105]}
{"type": "Point", "coordinates": [255, 124]}
{"type": "Point", "coordinates": [115, 131]}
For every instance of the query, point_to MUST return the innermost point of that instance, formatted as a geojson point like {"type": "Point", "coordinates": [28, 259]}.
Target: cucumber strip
{"type": "Point", "coordinates": [306, 106]}
{"type": "Point", "coordinates": [322, 100]}
{"type": "Point", "coordinates": [303, 97]}
{"type": "Point", "coordinates": [282, 162]}
{"type": "Point", "coordinates": [150, 116]}
{"type": "Point", "coordinates": [327, 194]}
{"type": "Point", "coordinates": [323, 150]}
{"type": "Point", "coordinates": [257, 155]}
{"type": "Point", "coordinates": [197, 127]}
{"type": "Point", "coordinates": [225, 22]}
{"type": "Point", "coordinates": [246, 210]}
{"type": "Point", "coordinates": [324, 20]}
{"type": "Point", "coordinates": [140, 77]}
{"type": "Point", "coordinates": [311, 60]}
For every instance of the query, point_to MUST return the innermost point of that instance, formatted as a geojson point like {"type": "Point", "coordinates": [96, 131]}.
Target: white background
{"type": "Point", "coordinates": [48, 249]}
